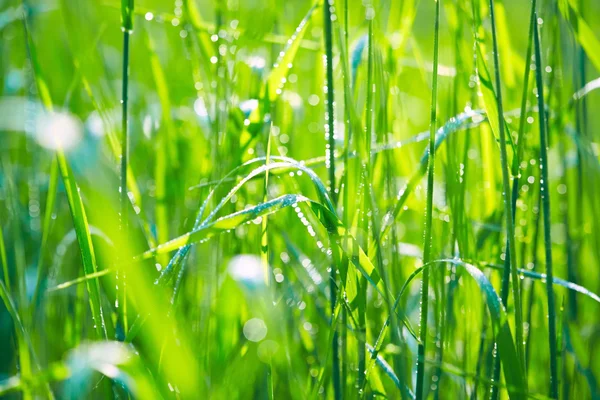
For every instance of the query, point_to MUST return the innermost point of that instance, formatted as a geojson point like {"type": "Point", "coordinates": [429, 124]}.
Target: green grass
{"type": "Point", "coordinates": [238, 199]}
{"type": "Point", "coordinates": [429, 212]}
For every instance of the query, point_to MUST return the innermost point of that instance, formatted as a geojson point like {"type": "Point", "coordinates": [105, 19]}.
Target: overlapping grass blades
{"type": "Point", "coordinates": [508, 207]}
{"type": "Point", "coordinates": [234, 297]}
{"type": "Point", "coordinates": [75, 204]}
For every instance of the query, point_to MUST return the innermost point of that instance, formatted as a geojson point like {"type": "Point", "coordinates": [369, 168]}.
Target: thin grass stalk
{"type": "Point", "coordinates": [428, 213]}
{"type": "Point", "coordinates": [121, 305]}
{"type": "Point", "coordinates": [579, 187]}
{"type": "Point", "coordinates": [508, 208]}
{"type": "Point", "coordinates": [547, 218]}
{"type": "Point", "coordinates": [328, 10]}
{"type": "Point", "coordinates": [346, 204]}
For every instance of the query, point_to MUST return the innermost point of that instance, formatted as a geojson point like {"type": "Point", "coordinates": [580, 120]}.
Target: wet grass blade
{"type": "Point", "coordinates": [277, 77]}
{"type": "Point", "coordinates": [556, 281]}
{"type": "Point", "coordinates": [330, 136]}
{"type": "Point", "coordinates": [422, 348]}
{"type": "Point", "coordinates": [545, 193]}
{"type": "Point", "coordinates": [127, 27]}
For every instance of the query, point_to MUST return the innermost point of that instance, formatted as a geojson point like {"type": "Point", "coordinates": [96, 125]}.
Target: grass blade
{"type": "Point", "coordinates": [545, 193]}
{"type": "Point", "coordinates": [428, 214]}
{"type": "Point", "coordinates": [127, 27]}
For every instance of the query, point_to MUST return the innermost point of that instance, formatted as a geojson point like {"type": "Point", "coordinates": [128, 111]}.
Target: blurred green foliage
{"type": "Point", "coordinates": [210, 309]}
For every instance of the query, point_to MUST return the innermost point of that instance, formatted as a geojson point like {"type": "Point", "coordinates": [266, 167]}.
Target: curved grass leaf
{"type": "Point", "coordinates": [281, 163]}
{"type": "Point", "coordinates": [340, 235]}
{"type": "Point", "coordinates": [224, 224]}
{"type": "Point", "coordinates": [556, 281]}
{"type": "Point", "coordinates": [277, 77]}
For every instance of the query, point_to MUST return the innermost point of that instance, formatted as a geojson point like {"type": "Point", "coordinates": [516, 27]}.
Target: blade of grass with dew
{"type": "Point", "coordinates": [330, 135]}
{"type": "Point", "coordinates": [545, 193]}
{"type": "Point", "coordinates": [508, 212]}
{"type": "Point", "coordinates": [525, 273]}
{"type": "Point", "coordinates": [325, 214]}
{"type": "Point", "coordinates": [419, 391]}
{"type": "Point", "coordinates": [272, 85]}
{"type": "Point", "coordinates": [284, 162]}
{"type": "Point", "coordinates": [277, 77]}
{"type": "Point", "coordinates": [127, 28]}
{"type": "Point", "coordinates": [209, 228]}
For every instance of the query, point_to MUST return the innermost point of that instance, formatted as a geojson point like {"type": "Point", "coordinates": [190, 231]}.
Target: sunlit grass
{"type": "Point", "coordinates": [307, 199]}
